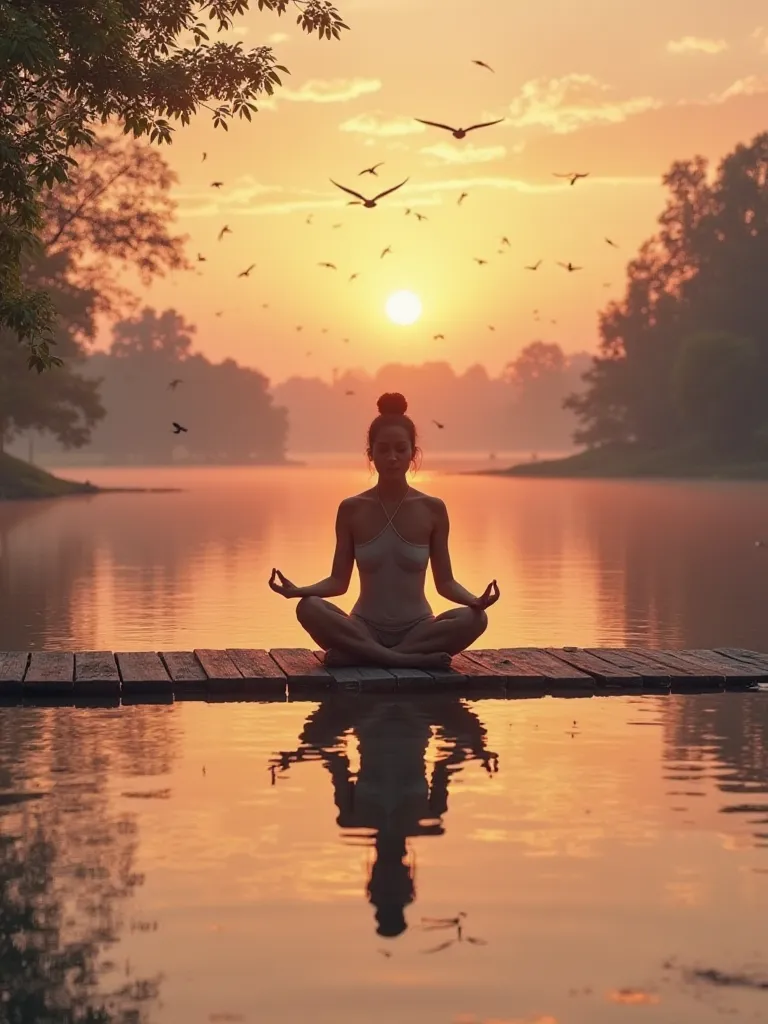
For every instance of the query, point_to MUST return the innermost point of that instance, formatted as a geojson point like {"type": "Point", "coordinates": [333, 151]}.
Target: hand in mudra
{"type": "Point", "coordinates": [284, 587]}
{"type": "Point", "coordinates": [488, 597]}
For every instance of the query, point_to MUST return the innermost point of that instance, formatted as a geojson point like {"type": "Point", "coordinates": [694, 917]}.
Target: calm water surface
{"type": "Point", "coordinates": [585, 563]}
{"type": "Point", "coordinates": [607, 858]}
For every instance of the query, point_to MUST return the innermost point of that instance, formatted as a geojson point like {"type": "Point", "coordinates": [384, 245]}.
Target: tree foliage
{"type": "Point", "coordinates": [67, 67]}
{"type": "Point", "coordinates": [701, 275]}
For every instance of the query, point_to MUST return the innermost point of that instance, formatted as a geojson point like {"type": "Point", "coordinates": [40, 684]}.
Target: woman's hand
{"type": "Point", "coordinates": [284, 587]}
{"type": "Point", "coordinates": [488, 597]}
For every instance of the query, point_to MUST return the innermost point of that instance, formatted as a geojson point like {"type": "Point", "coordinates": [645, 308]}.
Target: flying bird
{"type": "Point", "coordinates": [246, 273]}
{"type": "Point", "coordinates": [200, 259]}
{"type": "Point", "coordinates": [177, 427]}
{"type": "Point", "coordinates": [265, 305]}
{"type": "Point", "coordinates": [385, 251]}
{"type": "Point", "coordinates": [367, 203]}
{"type": "Point", "coordinates": [309, 219]}
{"type": "Point", "coordinates": [504, 240]}
{"type": "Point", "coordinates": [175, 383]}
{"type": "Point", "coordinates": [461, 198]}
{"type": "Point", "coordinates": [459, 133]}
{"type": "Point", "coordinates": [226, 230]}
{"type": "Point", "coordinates": [335, 225]}
{"type": "Point", "coordinates": [330, 266]}
{"type": "Point", "coordinates": [205, 157]}
{"type": "Point", "coordinates": [491, 327]}
{"type": "Point", "coordinates": [573, 175]}
{"type": "Point", "coordinates": [300, 328]}
{"type": "Point", "coordinates": [482, 64]}
{"type": "Point", "coordinates": [478, 261]}
{"type": "Point", "coordinates": [372, 170]}
{"type": "Point", "coordinates": [438, 337]}
{"type": "Point", "coordinates": [353, 276]}
{"type": "Point", "coordinates": [534, 267]}
{"type": "Point", "coordinates": [219, 312]}
{"type": "Point", "coordinates": [217, 184]}
{"type": "Point", "coordinates": [611, 243]}
{"type": "Point", "coordinates": [421, 216]}
{"type": "Point", "coordinates": [440, 426]}
{"type": "Point", "coordinates": [568, 266]}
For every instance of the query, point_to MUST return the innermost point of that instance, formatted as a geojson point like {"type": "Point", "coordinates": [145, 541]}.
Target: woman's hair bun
{"type": "Point", "coordinates": [392, 404]}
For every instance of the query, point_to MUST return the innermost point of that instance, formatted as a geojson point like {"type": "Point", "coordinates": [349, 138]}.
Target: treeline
{"type": "Point", "coordinates": [683, 360]}
{"type": "Point", "coordinates": [519, 410]}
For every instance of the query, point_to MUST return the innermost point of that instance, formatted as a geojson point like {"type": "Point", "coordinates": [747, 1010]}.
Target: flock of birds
{"type": "Point", "coordinates": [370, 203]}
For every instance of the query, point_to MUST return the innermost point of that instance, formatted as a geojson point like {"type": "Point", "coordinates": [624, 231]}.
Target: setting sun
{"type": "Point", "coordinates": [403, 307]}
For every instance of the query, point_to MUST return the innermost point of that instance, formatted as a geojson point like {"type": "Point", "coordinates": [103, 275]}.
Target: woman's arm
{"type": "Point", "coordinates": [442, 572]}
{"type": "Point", "coordinates": [343, 560]}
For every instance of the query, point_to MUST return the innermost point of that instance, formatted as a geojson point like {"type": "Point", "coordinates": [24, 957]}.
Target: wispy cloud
{"type": "Point", "coordinates": [449, 154]}
{"type": "Point", "coordinates": [752, 85]}
{"type": "Point", "coordinates": [375, 124]}
{"type": "Point", "coordinates": [564, 105]}
{"type": "Point", "coordinates": [337, 90]}
{"type": "Point", "coordinates": [278, 37]}
{"type": "Point", "coordinates": [696, 44]}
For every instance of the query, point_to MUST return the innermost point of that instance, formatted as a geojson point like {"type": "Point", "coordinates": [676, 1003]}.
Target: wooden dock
{"type": "Point", "coordinates": [280, 674]}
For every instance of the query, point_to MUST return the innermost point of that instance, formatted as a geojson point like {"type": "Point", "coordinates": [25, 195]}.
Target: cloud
{"type": "Point", "coordinates": [278, 37]}
{"type": "Point", "coordinates": [337, 90]}
{"type": "Point", "coordinates": [695, 44]}
{"type": "Point", "coordinates": [375, 125]}
{"type": "Point", "coordinates": [449, 154]}
{"type": "Point", "coordinates": [564, 105]}
{"type": "Point", "coordinates": [752, 85]}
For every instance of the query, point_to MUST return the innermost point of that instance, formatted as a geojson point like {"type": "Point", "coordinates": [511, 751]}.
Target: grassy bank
{"type": "Point", "coordinates": [19, 479]}
{"type": "Point", "coordinates": [631, 462]}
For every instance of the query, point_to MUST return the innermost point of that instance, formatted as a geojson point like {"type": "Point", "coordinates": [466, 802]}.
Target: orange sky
{"type": "Point", "coordinates": [597, 86]}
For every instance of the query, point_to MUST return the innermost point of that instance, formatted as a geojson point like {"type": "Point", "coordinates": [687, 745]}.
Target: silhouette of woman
{"type": "Point", "coordinates": [390, 794]}
{"type": "Point", "coordinates": [392, 531]}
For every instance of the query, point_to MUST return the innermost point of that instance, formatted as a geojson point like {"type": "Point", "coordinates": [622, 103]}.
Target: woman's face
{"type": "Point", "coordinates": [392, 453]}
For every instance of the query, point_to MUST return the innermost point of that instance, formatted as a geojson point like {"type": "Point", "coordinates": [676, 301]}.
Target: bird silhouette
{"type": "Point", "coordinates": [372, 170]}
{"type": "Point", "coordinates": [353, 276]}
{"type": "Point", "coordinates": [175, 383]}
{"type": "Point", "coordinates": [369, 204]}
{"type": "Point", "coordinates": [482, 64]}
{"type": "Point", "coordinates": [459, 133]}
{"type": "Point", "coordinates": [421, 216]}
{"type": "Point", "coordinates": [265, 305]}
{"type": "Point", "coordinates": [246, 273]}
{"type": "Point", "coordinates": [479, 262]}
{"type": "Point", "coordinates": [177, 427]}
{"type": "Point", "coordinates": [201, 259]}
{"type": "Point", "coordinates": [568, 266]}
{"type": "Point", "coordinates": [573, 175]}
{"type": "Point", "coordinates": [226, 230]}
{"type": "Point", "coordinates": [408, 211]}
{"type": "Point", "coordinates": [461, 198]}
{"type": "Point", "coordinates": [440, 426]}
{"type": "Point", "coordinates": [330, 266]}
{"type": "Point", "coordinates": [491, 327]}
{"type": "Point", "coordinates": [438, 337]}
{"type": "Point", "coordinates": [504, 240]}
{"type": "Point", "coordinates": [611, 243]}
{"type": "Point", "coordinates": [219, 312]}
{"type": "Point", "coordinates": [385, 251]}
{"type": "Point", "coordinates": [300, 327]}
{"type": "Point", "coordinates": [217, 184]}
{"type": "Point", "coordinates": [335, 225]}
{"type": "Point", "coordinates": [535, 266]}
{"type": "Point", "coordinates": [309, 219]}
{"type": "Point", "coordinates": [205, 157]}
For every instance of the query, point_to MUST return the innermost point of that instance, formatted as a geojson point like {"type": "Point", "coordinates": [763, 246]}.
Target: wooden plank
{"type": "Point", "coordinates": [13, 665]}
{"type": "Point", "coordinates": [50, 673]}
{"type": "Point", "coordinates": [302, 668]}
{"type": "Point", "coordinates": [735, 674]}
{"type": "Point", "coordinates": [561, 678]}
{"type": "Point", "coordinates": [96, 674]}
{"type": "Point", "coordinates": [261, 673]}
{"type": "Point", "coordinates": [188, 676]}
{"type": "Point", "coordinates": [516, 677]}
{"type": "Point", "coordinates": [603, 671]}
{"type": "Point", "coordinates": [358, 678]}
{"type": "Point", "coordinates": [417, 680]}
{"type": "Point", "coordinates": [689, 677]}
{"type": "Point", "coordinates": [218, 665]}
{"type": "Point", "coordinates": [142, 672]}
{"type": "Point", "coordinates": [482, 675]}
{"type": "Point", "coordinates": [745, 655]}
{"type": "Point", "coordinates": [655, 677]}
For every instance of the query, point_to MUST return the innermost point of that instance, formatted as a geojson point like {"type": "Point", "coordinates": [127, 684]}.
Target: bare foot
{"type": "Point", "coordinates": [435, 659]}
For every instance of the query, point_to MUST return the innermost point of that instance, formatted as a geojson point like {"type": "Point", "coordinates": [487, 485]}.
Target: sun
{"type": "Point", "coordinates": [403, 307]}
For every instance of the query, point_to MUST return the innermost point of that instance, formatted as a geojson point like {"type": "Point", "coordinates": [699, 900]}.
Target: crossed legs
{"type": "Point", "coordinates": [429, 644]}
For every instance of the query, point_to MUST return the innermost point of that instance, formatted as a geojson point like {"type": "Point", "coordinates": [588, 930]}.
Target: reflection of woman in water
{"type": "Point", "coordinates": [390, 795]}
{"type": "Point", "coordinates": [391, 531]}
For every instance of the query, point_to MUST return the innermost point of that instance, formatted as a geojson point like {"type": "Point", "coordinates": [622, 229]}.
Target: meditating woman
{"type": "Point", "coordinates": [392, 531]}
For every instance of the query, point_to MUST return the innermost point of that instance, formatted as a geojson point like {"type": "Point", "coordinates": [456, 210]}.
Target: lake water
{"type": "Point", "coordinates": [605, 858]}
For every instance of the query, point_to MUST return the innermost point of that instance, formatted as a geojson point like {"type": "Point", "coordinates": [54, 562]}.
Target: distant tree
{"type": "Point", "coordinates": [703, 272]}
{"type": "Point", "coordinates": [67, 67]}
{"type": "Point", "coordinates": [537, 360]}
{"type": "Point", "coordinates": [115, 209]}
{"type": "Point", "coordinates": [717, 383]}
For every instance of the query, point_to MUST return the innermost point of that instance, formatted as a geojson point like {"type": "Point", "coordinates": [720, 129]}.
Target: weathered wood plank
{"type": "Point", "coordinates": [50, 673]}
{"type": "Point", "coordinates": [218, 665]}
{"type": "Point", "coordinates": [417, 680]}
{"type": "Point", "coordinates": [188, 676]}
{"type": "Point", "coordinates": [561, 677]}
{"type": "Point", "coordinates": [735, 674]}
{"type": "Point", "coordinates": [302, 668]}
{"type": "Point", "coordinates": [745, 655]}
{"type": "Point", "coordinates": [509, 676]}
{"type": "Point", "coordinates": [483, 674]}
{"type": "Point", "coordinates": [358, 678]}
{"type": "Point", "coordinates": [603, 671]}
{"type": "Point", "coordinates": [689, 677]}
{"type": "Point", "coordinates": [262, 676]}
{"type": "Point", "coordinates": [13, 665]}
{"type": "Point", "coordinates": [142, 672]}
{"type": "Point", "coordinates": [96, 674]}
{"type": "Point", "coordinates": [655, 677]}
